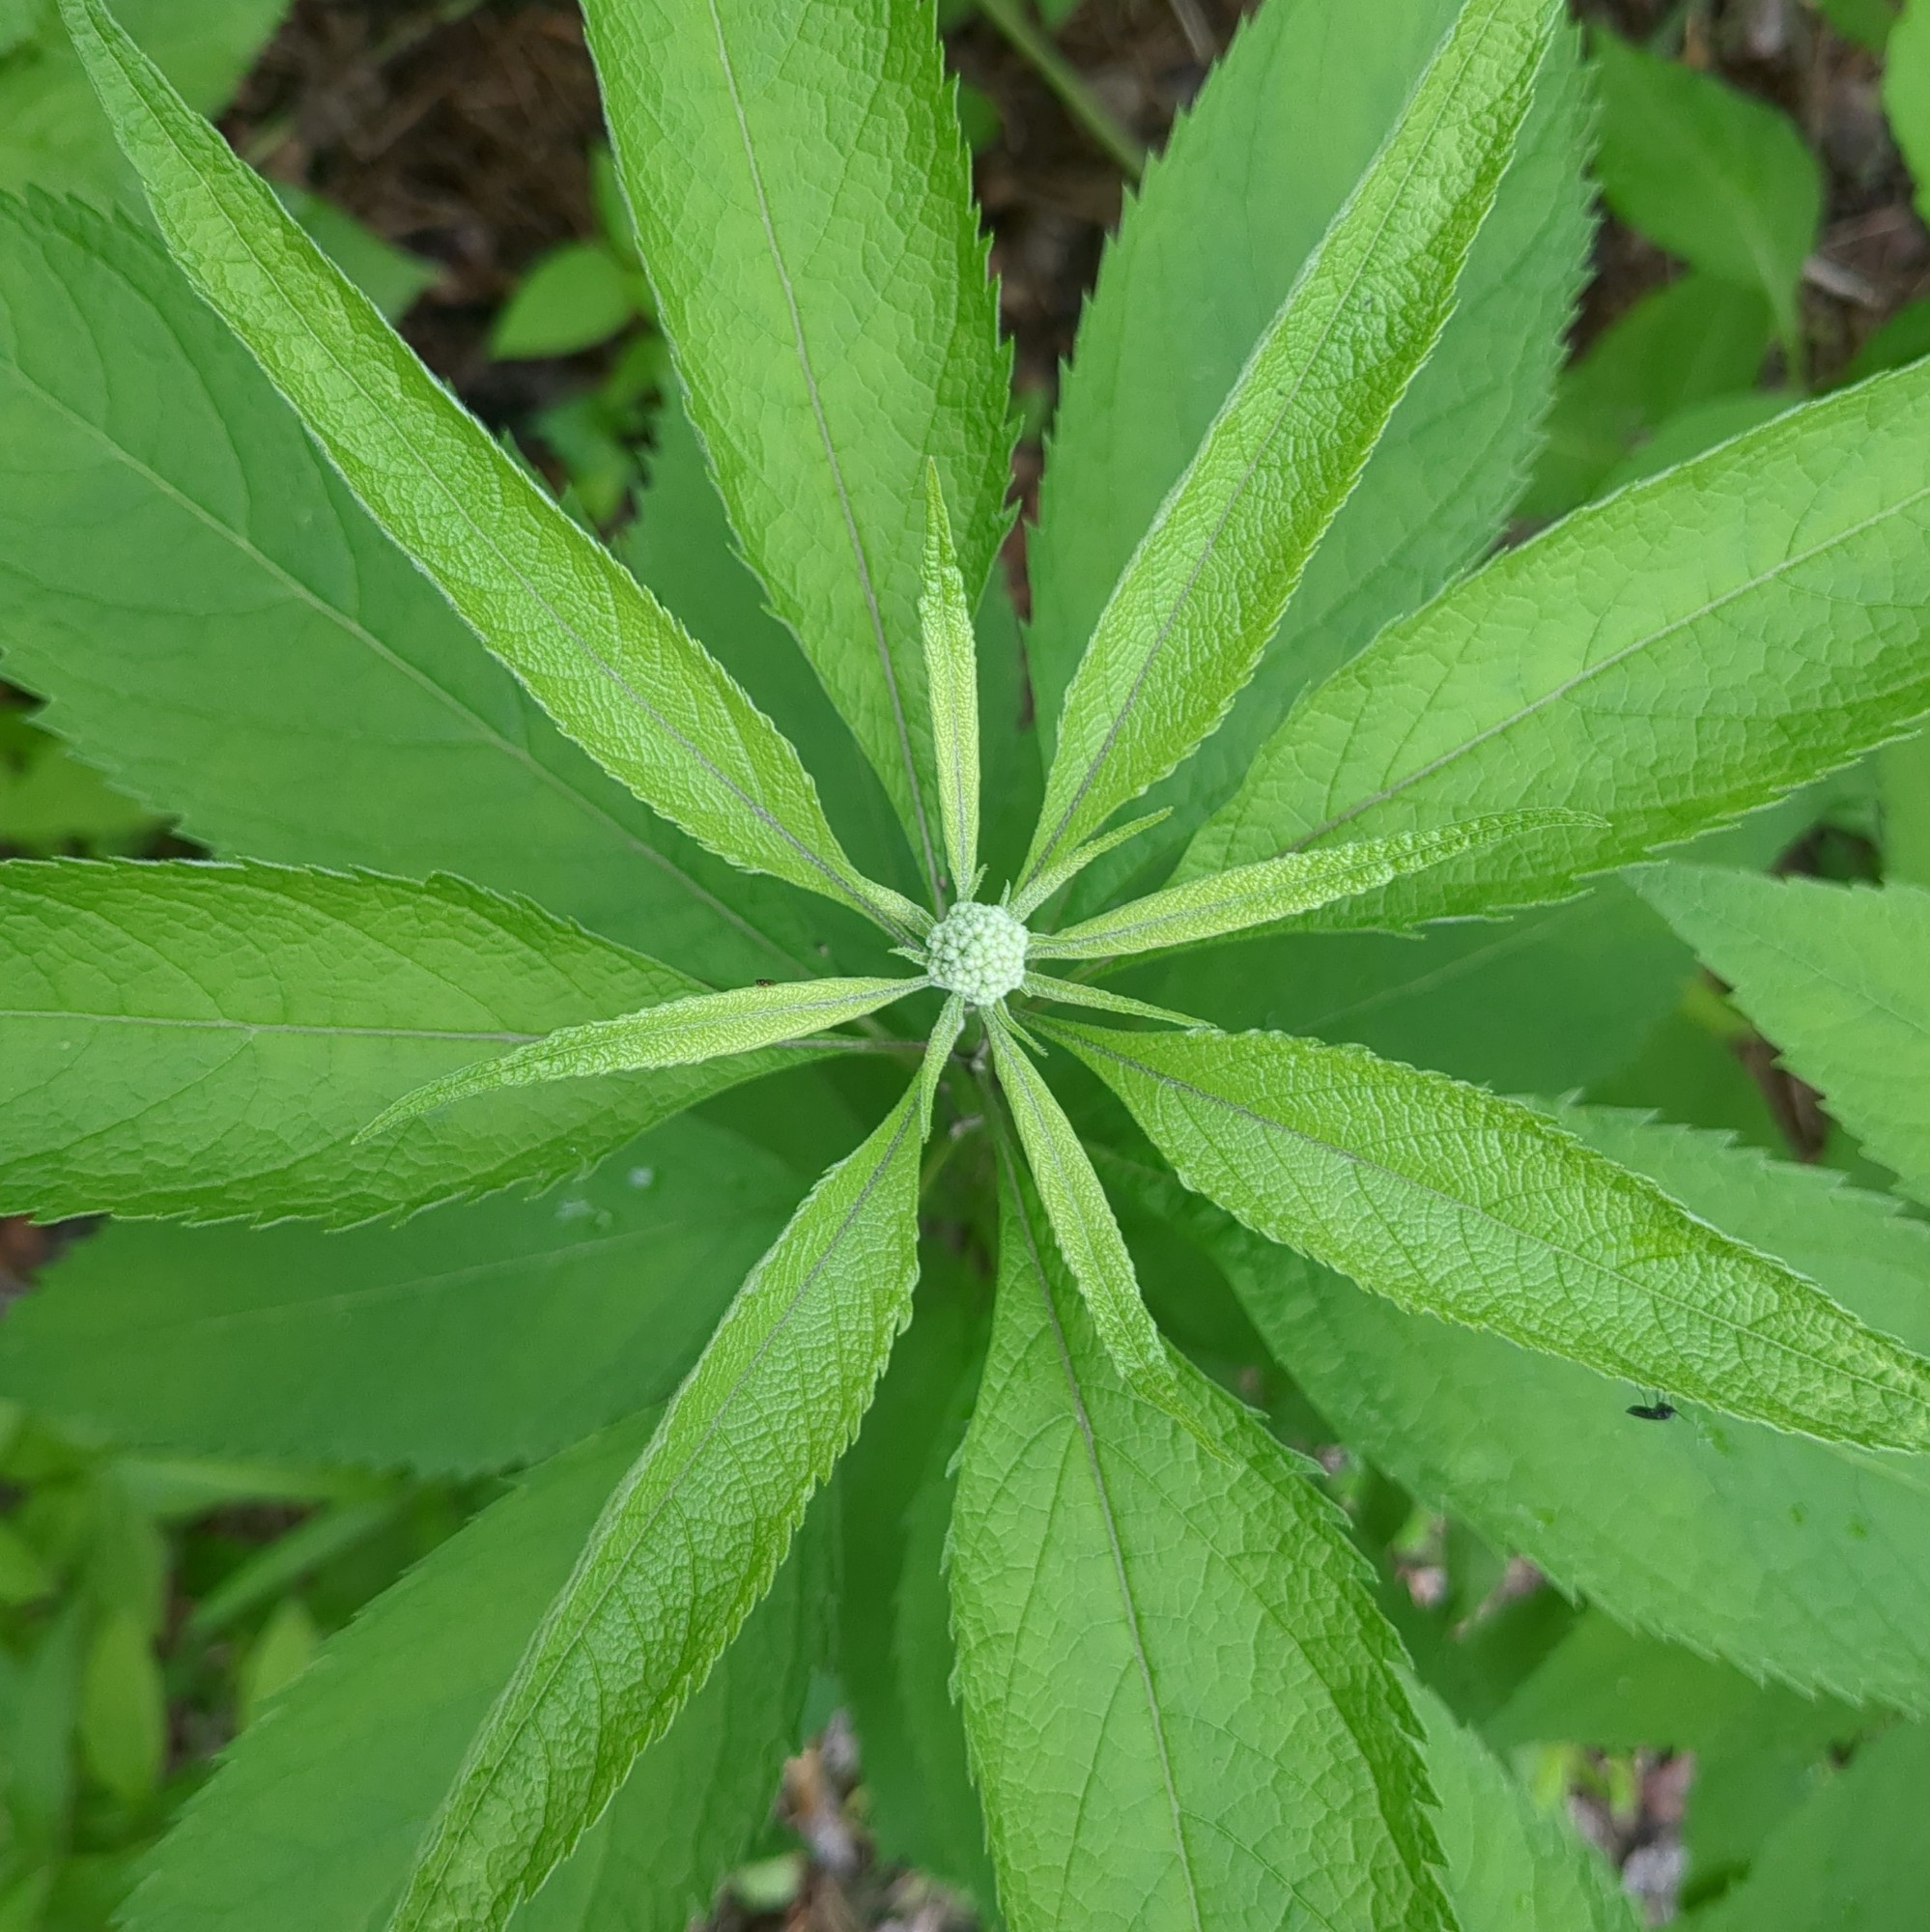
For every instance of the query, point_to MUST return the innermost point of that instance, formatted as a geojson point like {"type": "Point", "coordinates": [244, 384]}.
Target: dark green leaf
{"type": "Point", "coordinates": [208, 1041]}
{"type": "Point", "coordinates": [475, 1338]}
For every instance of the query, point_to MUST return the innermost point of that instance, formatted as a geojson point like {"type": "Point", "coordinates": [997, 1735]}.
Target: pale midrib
{"type": "Point", "coordinates": [539, 1690]}
{"type": "Point", "coordinates": [849, 889]}
{"type": "Point", "coordinates": [806, 368]}
{"type": "Point", "coordinates": [163, 1021]}
{"type": "Point", "coordinates": [1588, 1261]}
{"type": "Point", "coordinates": [1582, 677]}
{"type": "Point", "coordinates": [1231, 912]}
{"type": "Point", "coordinates": [1115, 1549]}
{"type": "Point", "coordinates": [1209, 548]}
{"type": "Point", "coordinates": [354, 628]}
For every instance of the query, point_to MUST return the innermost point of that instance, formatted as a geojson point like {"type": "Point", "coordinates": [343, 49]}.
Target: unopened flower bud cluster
{"type": "Point", "coordinates": [978, 952]}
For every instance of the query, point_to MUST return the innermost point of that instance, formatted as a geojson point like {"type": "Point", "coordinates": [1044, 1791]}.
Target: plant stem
{"type": "Point", "coordinates": [1067, 83]}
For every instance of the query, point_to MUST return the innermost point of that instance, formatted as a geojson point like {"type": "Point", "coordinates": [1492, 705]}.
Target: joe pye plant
{"type": "Point", "coordinates": [1181, 1705]}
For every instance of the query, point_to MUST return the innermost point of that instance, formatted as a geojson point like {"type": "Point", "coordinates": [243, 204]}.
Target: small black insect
{"type": "Point", "coordinates": [767, 983]}
{"type": "Point", "coordinates": [1659, 1410]}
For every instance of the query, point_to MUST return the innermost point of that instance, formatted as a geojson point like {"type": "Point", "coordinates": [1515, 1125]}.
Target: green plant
{"type": "Point", "coordinates": [1181, 1699]}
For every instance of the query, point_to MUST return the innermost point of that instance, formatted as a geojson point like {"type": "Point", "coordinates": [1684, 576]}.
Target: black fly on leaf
{"type": "Point", "coordinates": [1659, 1410]}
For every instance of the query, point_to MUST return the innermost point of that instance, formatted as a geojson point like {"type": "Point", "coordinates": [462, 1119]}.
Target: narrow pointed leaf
{"type": "Point", "coordinates": [679, 1033]}
{"type": "Point", "coordinates": [1076, 993]}
{"type": "Point", "coordinates": [1179, 1695]}
{"type": "Point", "coordinates": [1235, 201]}
{"type": "Point", "coordinates": [1448, 1199]}
{"type": "Point", "coordinates": [1687, 651]}
{"type": "Point", "coordinates": [615, 670]}
{"type": "Point", "coordinates": [480, 1337]}
{"type": "Point", "coordinates": [1838, 977]}
{"type": "Point", "coordinates": [205, 1041]}
{"type": "Point", "coordinates": [952, 682]}
{"type": "Point", "coordinates": [1069, 863]}
{"type": "Point", "coordinates": [804, 210]}
{"type": "Point", "coordinates": [1200, 598]}
{"type": "Point", "coordinates": [213, 614]}
{"type": "Point", "coordinates": [688, 1541]}
{"type": "Point", "coordinates": [1089, 1236]}
{"type": "Point", "coordinates": [1791, 1558]}
{"type": "Point", "coordinates": [309, 1822]}
{"type": "Point", "coordinates": [937, 1052]}
{"type": "Point", "coordinates": [1224, 903]}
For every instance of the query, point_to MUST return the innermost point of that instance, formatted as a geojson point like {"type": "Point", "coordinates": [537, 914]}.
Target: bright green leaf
{"type": "Point", "coordinates": [1788, 1558]}
{"type": "Point", "coordinates": [1270, 890]}
{"type": "Point", "coordinates": [474, 1338]}
{"type": "Point", "coordinates": [220, 622]}
{"type": "Point", "coordinates": [1205, 590]}
{"type": "Point", "coordinates": [391, 277]}
{"type": "Point", "coordinates": [208, 1041]}
{"type": "Point", "coordinates": [804, 212]}
{"type": "Point", "coordinates": [1720, 179]}
{"type": "Point", "coordinates": [310, 1822]}
{"type": "Point", "coordinates": [1838, 977]}
{"type": "Point", "coordinates": [951, 687]}
{"type": "Point", "coordinates": [1669, 660]}
{"type": "Point", "coordinates": [572, 297]}
{"type": "Point", "coordinates": [1076, 993]}
{"type": "Point", "coordinates": [1179, 1695]}
{"type": "Point", "coordinates": [603, 658]}
{"type": "Point", "coordinates": [689, 1540]}
{"type": "Point", "coordinates": [687, 1032]}
{"type": "Point", "coordinates": [1235, 203]}
{"type": "Point", "coordinates": [1088, 1235]}
{"type": "Point", "coordinates": [1452, 1202]}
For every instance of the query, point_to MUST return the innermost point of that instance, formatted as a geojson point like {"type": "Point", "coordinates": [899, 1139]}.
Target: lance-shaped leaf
{"type": "Point", "coordinates": [804, 210]}
{"type": "Point", "coordinates": [1235, 201]}
{"type": "Point", "coordinates": [1076, 993]}
{"type": "Point", "coordinates": [1667, 660]}
{"type": "Point", "coordinates": [952, 684]}
{"type": "Point", "coordinates": [1089, 1236]}
{"type": "Point", "coordinates": [679, 1033]}
{"type": "Point", "coordinates": [1791, 1558]}
{"type": "Point", "coordinates": [1179, 1695]}
{"type": "Point", "coordinates": [1200, 598]}
{"type": "Point", "coordinates": [1224, 903]}
{"type": "Point", "coordinates": [615, 669]}
{"type": "Point", "coordinates": [1451, 1201]}
{"type": "Point", "coordinates": [205, 1041]}
{"type": "Point", "coordinates": [1839, 977]}
{"type": "Point", "coordinates": [688, 1541]}
{"type": "Point", "coordinates": [480, 1337]}
{"type": "Point", "coordinates": [309, 1823]}
{"type": "Point", "coordinates": [213, 614]}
